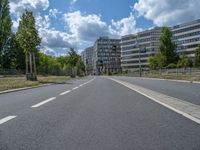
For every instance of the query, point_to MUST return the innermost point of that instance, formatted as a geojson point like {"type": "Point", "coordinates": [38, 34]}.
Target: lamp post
{"type": "Point", "coordinates": [142, 49]}
{"type": "Point", "coordinates": [140, 63]}
{"type": "Point", "coordinates": [140, 67]}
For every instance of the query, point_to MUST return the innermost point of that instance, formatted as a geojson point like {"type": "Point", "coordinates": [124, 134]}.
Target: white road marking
{"type": "Point", "coordinates": [44, 102]}
{"type": "Point", "coordinates": [188, 110]}
{"type": "Point", "coordinates": [81, 84]}
{"type": "Point", "coordinates": [75, 88]}
{"type": "Point", "coordinates": [7, 119]}
{"type": "Point", "coordinates": [65, 92]}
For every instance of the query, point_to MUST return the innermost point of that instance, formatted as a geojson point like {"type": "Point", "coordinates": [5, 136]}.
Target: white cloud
{"type": "Point", "coordinates": [168, 12]}
{"type": "Point", "coordinates": [73, 2]}
{"type": "Point", "coordinates": [126, 25]}
{"type": "Point", "coordinates": [72, 5]}
{"type": "Point", "coordinates": [54, 12]}
{"type": "Point", "coordinates": [43, 22]}
{"type": "Point", "coordinates": [81, 29]}
{"type": "Point", "coordinates": [52, 39]}
{"type": "Point", "coordinates": [18, 6]}
{"type": "Point", "coordinates": [86, 27]}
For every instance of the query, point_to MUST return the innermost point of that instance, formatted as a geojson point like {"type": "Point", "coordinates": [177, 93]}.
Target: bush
{"type": "Point", "coordinates": [171, 66]}
{"type": "Point", "coordinates": [109, 73]}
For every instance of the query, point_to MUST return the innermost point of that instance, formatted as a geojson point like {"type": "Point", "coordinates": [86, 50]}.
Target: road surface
{"type": "Point", "coordinates": [97, 113]}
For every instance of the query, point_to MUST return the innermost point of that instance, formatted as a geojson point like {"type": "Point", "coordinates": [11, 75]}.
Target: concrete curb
{"type": "Point", "coordinates": [184, 81]}
{"type": "Point", "coordinates": [25, 88]}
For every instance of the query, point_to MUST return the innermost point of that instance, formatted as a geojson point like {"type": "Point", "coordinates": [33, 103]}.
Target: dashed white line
{"type": "Point", "coordinates": [86, 82]}
{"type": "Point", "coordinates": [44, 102]}
{"type": "Point", "coordinates": [75, 88]}
{"type": "Point", "coordinates": [7, 119]}
{"type": "Point", "coordinates": [81, 85]}
{"type": "Point", "coordinates": [65, 92]}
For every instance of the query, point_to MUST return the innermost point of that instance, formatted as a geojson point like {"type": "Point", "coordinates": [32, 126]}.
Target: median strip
{"type": "Point", "coordinates": [188, 110]}
{"type": "Point", "coordinates": [44, 102]}
{"type": "Point", "coordinates": [6, 119]}
{"type": "Point", "coordinates": [65, 92]}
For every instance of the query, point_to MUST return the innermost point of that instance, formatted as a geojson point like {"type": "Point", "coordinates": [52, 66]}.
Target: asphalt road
{"type": "Point", "coordinates": [98, 115]}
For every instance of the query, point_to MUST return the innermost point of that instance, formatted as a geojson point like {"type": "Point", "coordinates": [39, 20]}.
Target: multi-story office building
{"type": "Point", "coordinates": [87, 57]}
{"type": "Point", "coordinates": [187, 37]}
{"type": "Point", "coordinates": [83, 57]}
{"type": "Point", "coordinates": [136, 48]}
{"type": "Point", "coordinates": [106, 55]}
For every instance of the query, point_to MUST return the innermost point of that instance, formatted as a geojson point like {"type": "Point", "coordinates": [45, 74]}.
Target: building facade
{"type": "Point", "coordinates": [87, 58]}
{"type": "Point", "coordinates": [83, 57]}
{"type": "Point", "coordinates": [186, 37]}
{"type": "Point", "coordinates": [132, 56]}
{"type": "Point", "coordinates": [107, 54]}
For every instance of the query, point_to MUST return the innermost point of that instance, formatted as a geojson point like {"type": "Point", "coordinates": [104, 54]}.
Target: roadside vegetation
{"type": "Point", "coordinates": [13, 82]}
{"type": "Point", "coordinates": [194, 77]}
{"type": "Point", "coordinates": [21, 59]}
{"type": "Point", "coordinates": [20, 50]}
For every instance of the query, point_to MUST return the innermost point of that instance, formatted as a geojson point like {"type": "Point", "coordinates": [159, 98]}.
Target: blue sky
{"type": "Point", "coordinates": [78, 23]}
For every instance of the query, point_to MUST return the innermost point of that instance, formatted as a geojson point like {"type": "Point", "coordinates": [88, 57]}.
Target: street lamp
{"type": "Point", "coordinates": [142, 49]}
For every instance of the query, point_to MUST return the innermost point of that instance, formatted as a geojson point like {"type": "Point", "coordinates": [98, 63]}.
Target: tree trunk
{"type": "Point", "coordinates": [34, 67]}
{"type": "Point", "coordinates": [27, 76]}
{"type": "Point", "coordinates": [31, 65]}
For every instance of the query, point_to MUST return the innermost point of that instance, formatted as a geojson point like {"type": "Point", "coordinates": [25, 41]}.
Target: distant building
{"type": "Point", "coordinates": [187, 37]}
{"type": "Point", "coordinates": [87, 58]}
{"type": "Point", "coordinates": [131, 44]}
{"type": "Point", "coordinates": [107, 53]}
{"type": "Point", "coordinates": [83, 57]}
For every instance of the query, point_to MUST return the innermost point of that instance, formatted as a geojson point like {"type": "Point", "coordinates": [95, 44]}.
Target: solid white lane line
{"type": "Point", "coordinates": [188, 110]}
{"type": "Point", "coordinates": [7, 119]}
{"type": "Point", "coordinates": [75, 88]}
{"type": "Point", "coordinates": [65, 92]}
{"type": "Point", "coordinates": [43, 102]}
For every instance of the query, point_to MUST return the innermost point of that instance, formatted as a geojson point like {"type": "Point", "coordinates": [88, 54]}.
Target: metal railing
{"type": "Point", "coordinates": [176, 72]}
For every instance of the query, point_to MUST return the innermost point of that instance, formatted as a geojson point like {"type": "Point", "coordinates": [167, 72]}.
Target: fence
{"type": "Point", "coordinates": [11, 72]}
{"type": "Point", "coordinates": [165, 72]}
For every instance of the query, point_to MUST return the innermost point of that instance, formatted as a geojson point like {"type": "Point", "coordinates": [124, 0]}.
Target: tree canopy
{"type": "Point", "coordinates": [5, 29]}
{"type": "Point", "coordinates": [27, 35]}
{"type": "Point", "coordinates": [167, 47]}
{"type": "Point", "coordinates": [197, 57]}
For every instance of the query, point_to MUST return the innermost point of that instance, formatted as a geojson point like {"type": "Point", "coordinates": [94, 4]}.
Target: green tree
{"type": "Point", "coordinates": [197, 57]}
{"type": "Point", "coordinates": [29, 40]}
{"type": "Point", "coordinates": [184, 61]}
{"type": "Point", "coordinates": [49, 65]}
{"type": "Point", "coordinates": [157, 61]}
{"type": "Point", "coordinates": [5, 28]}
{"type": "Point", "coordinates": [73, 57]}
{"type": "Point", "coordinates": [167, 47]}
{"type": "Point", "coordinates": [9, 54]}
{"type": "Point", "coordinates": [72, 60]}
{"type": "Point", "coordinates": [62, 60]}
{"type": "Point", "coordinates": [80, 66]}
